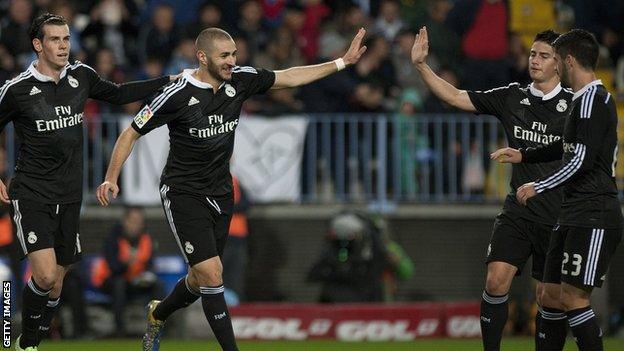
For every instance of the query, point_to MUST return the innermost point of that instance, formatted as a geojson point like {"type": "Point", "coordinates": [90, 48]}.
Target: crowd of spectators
{"type": "Point", "coordinates": [470, 42]}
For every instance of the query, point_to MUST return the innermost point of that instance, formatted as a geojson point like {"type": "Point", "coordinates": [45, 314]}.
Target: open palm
{"type": "Point", "coordinates": [420, 50]}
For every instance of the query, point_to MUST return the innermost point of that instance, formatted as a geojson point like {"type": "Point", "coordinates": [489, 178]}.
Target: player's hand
{"type": "Point", "coordinates": [525, 192]}
{"type": "Point", "coordinates": [420, 50]}
{"type": "Point", "coordinates": [102, 192]}
{"type": "Point", "coordinates": [507, 155]}
{"type": "Point", "coordinates": [4, 194]}
{"type": "Point", "coordinates": [356, 50]}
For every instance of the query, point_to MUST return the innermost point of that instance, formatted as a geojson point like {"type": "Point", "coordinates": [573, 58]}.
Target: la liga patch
{"type": "Point", "coordinates": [143, 116]}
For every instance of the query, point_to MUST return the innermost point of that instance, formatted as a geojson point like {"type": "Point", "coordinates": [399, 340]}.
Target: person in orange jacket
{"type": "Point", "coordinates": [235, 253]}
{"type": "Point", "coordinates": [125, 270]}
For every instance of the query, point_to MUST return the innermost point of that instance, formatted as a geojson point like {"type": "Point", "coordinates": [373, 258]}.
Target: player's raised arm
{"type": "Point", "coordinates": [441, 88]}
{"type": "Point", "coordinates": [121, 151]}
{"type": "Point", "coordinates": [301, 75]}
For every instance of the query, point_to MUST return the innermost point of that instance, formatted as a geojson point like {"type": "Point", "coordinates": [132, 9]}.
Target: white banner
{"type": "Point", "coordinates": [267, 160]}
{"type": "Point", "coordinates": [141, 172]}
{"type": "Point", "coordinates": [267, 157]}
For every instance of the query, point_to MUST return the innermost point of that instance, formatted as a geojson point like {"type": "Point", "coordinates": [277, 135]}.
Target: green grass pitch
{"type": "Point", "coordinates": [509, 344]}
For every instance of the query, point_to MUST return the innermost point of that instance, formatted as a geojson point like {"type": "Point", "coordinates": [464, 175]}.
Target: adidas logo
{"type": "Point", "coordinates": [34, 91]}
{"type": "Point", "coordinates": [193, 101]}
{"type": "Point", "coordinates": [525, 101]}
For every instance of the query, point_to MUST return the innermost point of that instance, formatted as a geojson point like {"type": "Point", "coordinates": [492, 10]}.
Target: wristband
{"type": "Point", "coordinates": [340, 64]}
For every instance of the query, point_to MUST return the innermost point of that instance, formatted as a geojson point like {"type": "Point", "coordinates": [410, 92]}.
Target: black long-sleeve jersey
{"type": "Point", "coordinates": [48, 120]}
{"type": "Point", "coordinates": [529, 119]}
{"type": "Point", "coordinates": [589, 148]}
{"type": "Point", "coordinates": [201, 128]}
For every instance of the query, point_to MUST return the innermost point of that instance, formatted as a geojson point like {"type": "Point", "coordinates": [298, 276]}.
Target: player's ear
{"type": "Point", "coordinates": [202, 57]}
{"type": "Point", "coordinates": [37, 44]}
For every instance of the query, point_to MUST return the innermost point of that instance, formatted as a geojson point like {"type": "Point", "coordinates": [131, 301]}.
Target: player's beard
{"type": "Point", "coordinates": [215, 71]}
{"type": "Point", "coordinates": [564, 76]}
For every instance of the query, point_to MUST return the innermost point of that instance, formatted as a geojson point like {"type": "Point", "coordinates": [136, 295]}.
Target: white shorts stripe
{"type": "Point", "coordinates": [214, 204]}
{"type": "Point", "coordinates": [593, 255]}
{"type": "Point", "coordinates": [167, 206]}
{"type": "Point", "coordinates": [17, 218]}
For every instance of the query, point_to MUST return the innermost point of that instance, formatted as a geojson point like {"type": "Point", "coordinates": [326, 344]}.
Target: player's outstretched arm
{"type": "Point", "coordinates": [128, 92]}
{"type": "Point", "coordinates": [441, 88]}
{"type": "Point", "coordinates": [507, 155]}
{"type": "Point", "coordinates": [121, 151]}
{"type": "Point", "coordinates": [296, 76]}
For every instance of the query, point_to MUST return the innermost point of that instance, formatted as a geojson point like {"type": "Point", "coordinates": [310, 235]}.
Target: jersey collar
{"type": "Point", "coordinates": [538, 93]}
{"type": "Point", "coordinates": [584, 89]}
{"type": "Point", "coordinates": [188, 74]}
{"type": "Point", "coordinates": [42, 77]}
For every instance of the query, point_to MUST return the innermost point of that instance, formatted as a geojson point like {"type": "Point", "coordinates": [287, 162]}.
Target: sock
{"type": "Point", "coordinates": [218, 317]}
{"type": "Point", "coordinates": [34, 301]}
{"type": "Point", "coordinates": [181, 296]}
{"type": "Point", "coordinates": [585, 329]}
{"type": "Point", "coordinates": [538, 323]}
{"type": "Point", "coordinates": [493, 319]}
{"type": "Point", "coordinates": [46, 320]}
{"type": "Point", "coordinates": [551, 334]}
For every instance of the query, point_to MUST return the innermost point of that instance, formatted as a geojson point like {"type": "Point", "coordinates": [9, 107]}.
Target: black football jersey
{"type": "Point", "coordinates": [587, 175]}
{"type": "Point", "coordinates": [201, 128]}
{"type": "Point", "coordinates": [529, 119]}
{"type": "Point", "coordinates": [48, 120]}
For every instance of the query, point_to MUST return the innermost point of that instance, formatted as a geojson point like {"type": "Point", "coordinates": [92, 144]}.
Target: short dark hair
{"type": "Point", "coordinates": [580, 44]}
{"type": "Point", "coordinates": [548, 36]}
{"type": "Point", "coordinates": [36, 28]}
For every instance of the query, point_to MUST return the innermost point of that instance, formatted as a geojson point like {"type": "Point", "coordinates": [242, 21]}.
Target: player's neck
{"type": "Point", "coordinates": [48, 70]}
{"type": "Point", "coordinates": [204, 76]}
{"type": "Point", "coordinates": [547, 86]}
{"type": "Point", "coordinates": [581, 79]}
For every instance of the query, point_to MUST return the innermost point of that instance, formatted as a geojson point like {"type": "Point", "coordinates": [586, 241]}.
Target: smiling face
{"type": "Point", "coordinates": [542, 62]}
{"type": "Point", "coordinates": [221, 59]}
{"type": "Point", "coordinates": [53, 48]}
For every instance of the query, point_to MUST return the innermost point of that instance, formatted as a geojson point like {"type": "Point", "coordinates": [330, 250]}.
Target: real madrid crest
{"type": "Point", "coordinates": [562, 105]}
{"type": "Point", "coordinates": [188, 248]}
{"type": "Point", "coordinates": [73, 82]}
{"type": "Point", "coordinates": [229, 90]}
{"type": "Point", "coordinates": [32, 238]}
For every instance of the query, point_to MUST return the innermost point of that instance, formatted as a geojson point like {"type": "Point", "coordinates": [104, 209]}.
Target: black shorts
{"type": "Point", "coordinates": [40, 226]}
{"type": "Point", "coordinates": [580, 256]}
{"type": "Point", "coordinates": [199, 224]}
{"type": "Point", "coordinates": [514, 239]}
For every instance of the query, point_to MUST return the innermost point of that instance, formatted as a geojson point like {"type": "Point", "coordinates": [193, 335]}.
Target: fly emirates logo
{"type": "Point", "coordinates": [537, 134]}
{"type": "Point", "coordinates": [216, 127]}
{"type": "Point", "coordinates": [65, 119]}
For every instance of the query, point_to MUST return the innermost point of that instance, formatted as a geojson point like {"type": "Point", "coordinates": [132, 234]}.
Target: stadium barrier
{"type": "Point", "coordinates": [363, 158]}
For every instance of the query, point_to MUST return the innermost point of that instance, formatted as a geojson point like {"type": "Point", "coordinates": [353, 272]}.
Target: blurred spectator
{"type": "Point", "coordinates": [482, 25]}
{"type": "Point", "coordinates": [273, 11]}
{"type": "Point", "coordinates": [112, 26]}
{"type": "Point", "coordinates": [14, 32]}
{"type": "Point", "coordinates": [235, 254]}
{"type": "Point", "coordinates": [444, 42]}
{"type": "Point", "coordinates": [352, 263]}
{"type": "Point", "coordinates": [184, 57]}
{"type": "Point", "coordinates": [125, 271]}
{"type": "Point", "coordinates": [412, 143]}
{"type": "Point", "coordinates": [315, 11]}
{"type": "Point", "coordinates": [389, 23]}
{"type": "Point", "coordinates": [8, 68]}
{"type": "Point", "coordinates": [209, 16]}
{"type": "Point", "coordinates": [159, 38]}
{"type": "Point", "coordinates": [376, 67]}
{"type": "Point", "coordinates": [518, 54]}
{"type": "Point", "coordinates": [406, 74]}
{"type": "Point", "coordinates": [243, 55]}
{"type": "Point", "coordinates": [152, 68]}
{"type": "Point", "coordinates": [250, 26]}
{"type": "Point", "coordinates": [367, 98]}
{"type": "Point", "coordinates": [337, 35]}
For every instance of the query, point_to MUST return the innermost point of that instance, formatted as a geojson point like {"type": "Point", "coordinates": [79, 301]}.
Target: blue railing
{"type": "Point", "coordinates": [375, 158]}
